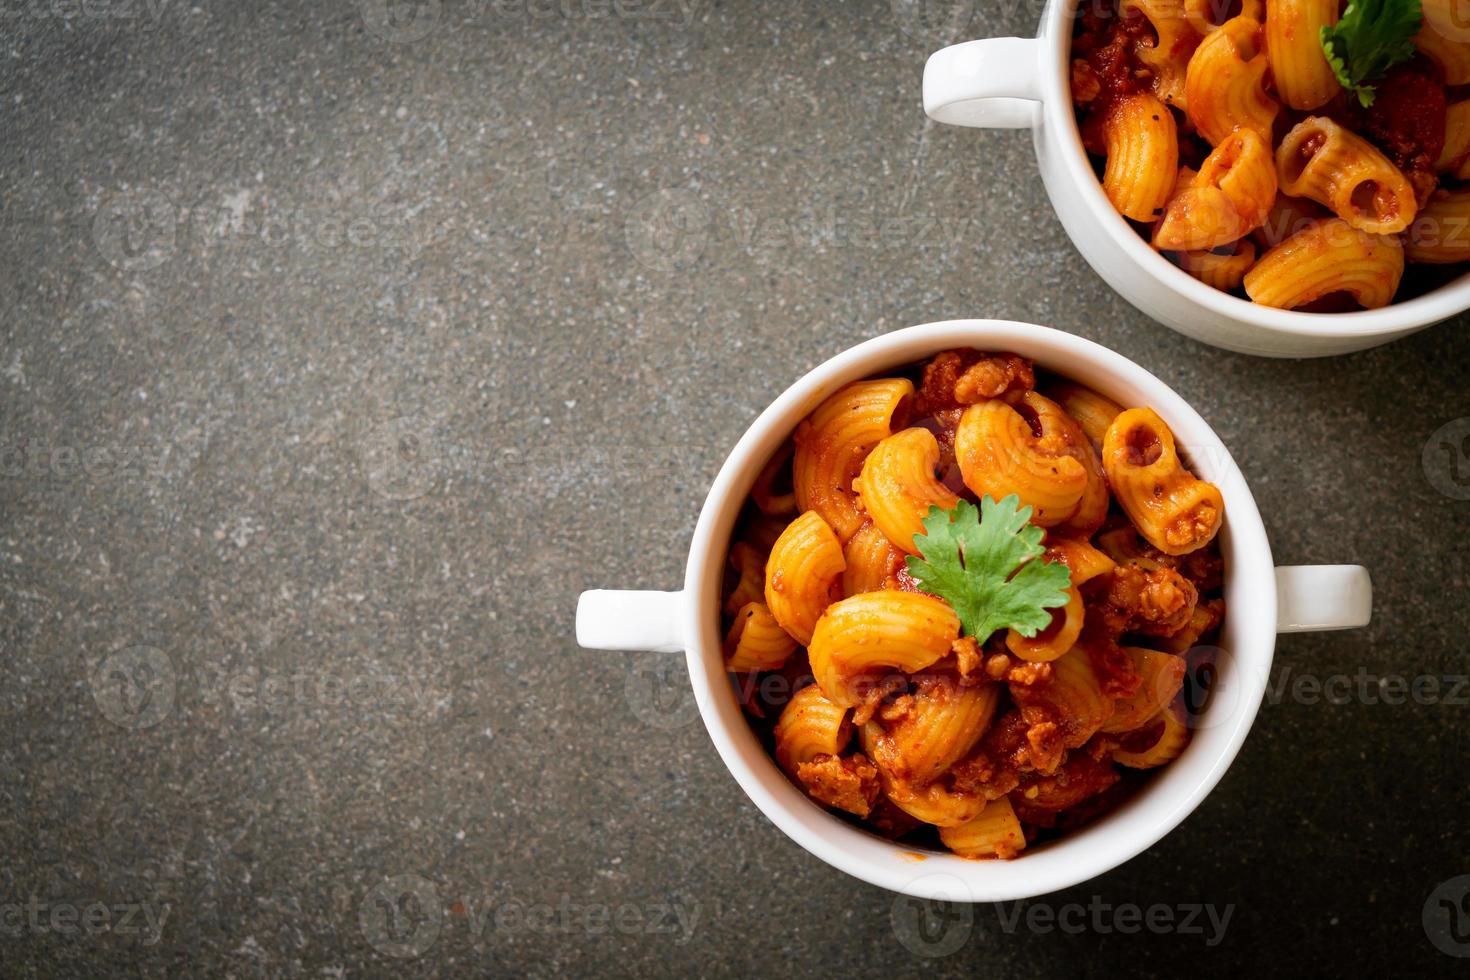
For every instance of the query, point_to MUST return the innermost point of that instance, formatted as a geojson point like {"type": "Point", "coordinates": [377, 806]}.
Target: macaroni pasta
{"type": "Point", "coordinates": [1325, 258]}
{"type": "Point", "coordinates": [873, 699]}
{"type": "Point", "coordinates": [1304, 79]}
{"type": "Point", "coordinates": [1225, 83]}
{"type": "Point", "coordinates": [1222, 133]}
{"type": "Point", "coordinates": [806, 564]}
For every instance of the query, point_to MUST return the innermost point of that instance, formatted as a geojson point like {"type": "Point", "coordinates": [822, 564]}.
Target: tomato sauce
{"type": "Point", "coordinates": [1406, 120]}
{"type": "Point", "coordinates": [1104, 68]}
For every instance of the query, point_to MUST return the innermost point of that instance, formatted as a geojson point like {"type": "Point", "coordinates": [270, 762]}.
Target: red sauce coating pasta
{"type": "Point", "coordinates": [986, 743]}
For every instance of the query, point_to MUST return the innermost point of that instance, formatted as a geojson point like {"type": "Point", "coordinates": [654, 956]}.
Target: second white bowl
{"type": "Point", "coordinates": [1023, 83]}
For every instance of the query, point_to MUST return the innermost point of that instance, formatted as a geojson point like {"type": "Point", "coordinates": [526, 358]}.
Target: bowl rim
{"type": "Point", "coordinates": [1156, 809]}
{"type": "Point", "coordinates": [1059, 115]}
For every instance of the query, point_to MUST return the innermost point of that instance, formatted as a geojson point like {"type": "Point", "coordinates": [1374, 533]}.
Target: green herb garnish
{"type": "Point", "coordinates": [983, 562]}
{"type": "Point", "coordinates": [1371, 37]}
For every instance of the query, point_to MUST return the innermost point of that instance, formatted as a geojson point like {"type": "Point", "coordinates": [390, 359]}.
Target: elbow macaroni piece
{"type": "Point", "coordinates": [1205, 617]}
{"type": "Point", "coordinates": [999, 454]}
{"type": "Point", "coordinates": [810, 726]}
{"type": "Point", "coordinates": [1173, 737]}
{"type": "Point", "coordinates": [805, 566]}
{"type": "Point", "coordinates": [872, 561]}
{"type": "Point", "coordinates": [994, 833]}
{"type": "Point", "coordinates": [1455, 157]}
{"type": "Point", "coordinates": [1072, 695]}
{"type": "Point", "coordinates": [1174, 40]}
{"type": "Point", "coordinates": [1230, 196]}
{"type": "Point", "coordinates": [1174, 510]}
{"type": "Point", "coordinates": [1204, 15]}
{"type": "Point", "coordinates": [1320, 160]}
{"type": "Point", "coordinates": [833, 441]}
{"type": "Point", "coordinates": [1092, 411]}
{"type": "Point", "coordinates": [1162, 678]}
{"type": "Point", "coordinates": [1092, 506]}
{"type": "Point", "coordinates": [1084, 563]}
{"type": "Point", "coordinates": [942, 726]}
{"type": "Point", "coordinates": [864, 634]}
{"type": "Point", "coordinates": [1059, 636]}
{"type": "Point", "coordinates": [767, 501]}
{"type": "Point", "coordinates": [1441, 232]}
{"type": "Point", "coordinates": [933, 803]}
{"type": "Point", "coordinates": [1329, 256]}
{"type": "Point", "coordinates": [756, 641]}
{"type": "Point", "coordinates": [1142, 156]}
{"type": "Point", "coordinates": [1125, 547]}
{"type": "Point", "coordinates": [750, 565]}
{"type": "Point", "coordinates": [1304, 79]}
{"type": "Point", "coordinates": [898, 486]}
{"type": "Point", "coordinates": [1225, 84]}
{"type": "Point", "coordinates": [1221, 268]}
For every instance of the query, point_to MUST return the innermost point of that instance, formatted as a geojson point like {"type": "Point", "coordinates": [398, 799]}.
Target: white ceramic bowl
{"type": "Point", "coordinates": [1023, 83]}
{"type": "Point", "coordinates": [1261, 600]}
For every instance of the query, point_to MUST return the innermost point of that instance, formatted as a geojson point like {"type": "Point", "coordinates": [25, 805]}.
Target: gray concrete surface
{"type": "Point", "coordinates": [338, 359]}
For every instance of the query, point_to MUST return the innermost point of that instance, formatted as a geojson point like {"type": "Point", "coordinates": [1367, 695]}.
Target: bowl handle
{"type": "Point", "coordinates": [1312, 598]}
{"type": "Point", "coordinates": [992, 83]}
{"type": "Point", "coordinates": [610, 619]}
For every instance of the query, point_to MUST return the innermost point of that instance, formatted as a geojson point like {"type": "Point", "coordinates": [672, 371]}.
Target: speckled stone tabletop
{"type": "Point", "coordinates": [344, 344]}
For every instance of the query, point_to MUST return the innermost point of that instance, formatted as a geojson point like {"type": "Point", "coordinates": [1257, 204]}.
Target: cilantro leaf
{"type": "Point", "coordinates": [985, 563]}
{"type": "Point", "coordinates": [1371, 37]}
